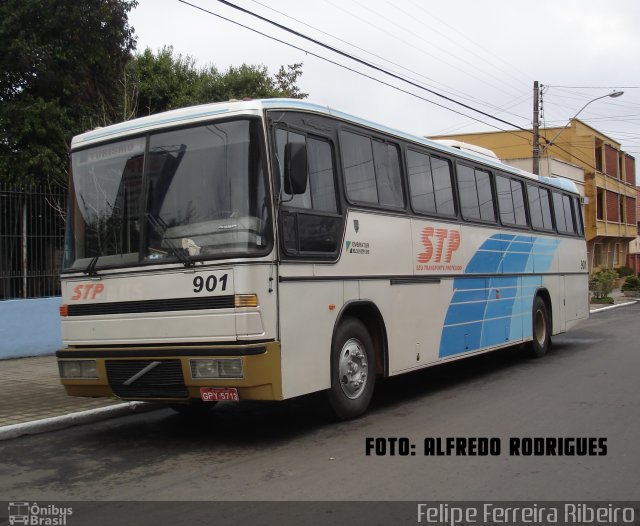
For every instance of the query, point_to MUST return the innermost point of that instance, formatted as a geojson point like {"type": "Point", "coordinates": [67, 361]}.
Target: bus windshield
{"type": "Point", "coordinates": [184, 194]}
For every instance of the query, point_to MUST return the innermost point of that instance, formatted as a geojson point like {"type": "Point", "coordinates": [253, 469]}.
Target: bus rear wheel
{"type": "Point", "coordinates": [541, 341]}
{"type": "Point", "coordinates": [352, 370]}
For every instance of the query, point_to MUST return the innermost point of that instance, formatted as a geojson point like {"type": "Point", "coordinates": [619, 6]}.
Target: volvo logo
{"type": "Point", "coordinates": [141, 373]}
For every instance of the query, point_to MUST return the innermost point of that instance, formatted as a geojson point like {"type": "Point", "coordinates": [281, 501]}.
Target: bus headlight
{"type": "Point", "coordinates": [217, 368]}
{"type": "Point", "coordinates": [81, 369]}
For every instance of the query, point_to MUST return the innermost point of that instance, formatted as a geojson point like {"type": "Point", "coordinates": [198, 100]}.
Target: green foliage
{"type": "Point", "coordinates": [58, 59]}
{"type": "Point", "coordinates": [155, 83]}
{"type": "Point", "coordinates": [158, 82]}
{"type": "Point", "coordinates": [286, 81]}
{"type": "Point", "coordinates": [623, 272]}
{"type": "Point", "coordinates": [66, 67]}
{"type": "Point", "coordinates": [601, 283]}
{"type": "Point", "coordinates": [606, 300]}
{"type": "Point", "coordinates": [631, 283]}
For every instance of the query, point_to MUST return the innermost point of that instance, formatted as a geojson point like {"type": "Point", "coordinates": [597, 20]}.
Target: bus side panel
{"type": "Point", "coordinates": [415, 323]}
{"type": "Point", "coordinates": [573, 260]}
{"type": "Point", "coordinates": [306, 329]}
{"type": "Point", "coordinates": [577, 298]}
{"type": "Point", "coordinates": [491, 304]}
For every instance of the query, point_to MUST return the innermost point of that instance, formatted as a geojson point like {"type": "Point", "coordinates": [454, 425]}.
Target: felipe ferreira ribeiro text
{"type": "Point", "coordinates": [487, 513]}
{"type": "Point", "coordinates": [485, 446]}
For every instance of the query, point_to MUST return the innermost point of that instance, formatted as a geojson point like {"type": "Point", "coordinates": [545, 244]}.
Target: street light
{"type": "Point", "coordinates": [613, 95]}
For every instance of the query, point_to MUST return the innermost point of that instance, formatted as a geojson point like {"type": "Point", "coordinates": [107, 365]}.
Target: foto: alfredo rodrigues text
{"type": "Point", "coordinates": [487, 446]}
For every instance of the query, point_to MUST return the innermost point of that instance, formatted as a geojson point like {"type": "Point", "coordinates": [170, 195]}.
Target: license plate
{"type": "Point", "coordinates": [219, 394]}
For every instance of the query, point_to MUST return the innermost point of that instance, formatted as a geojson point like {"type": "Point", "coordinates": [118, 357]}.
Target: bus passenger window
{"type": "Point", "coordinates": [505, 200]}
{"type": "Point", "coordinates": [476, 198]}
{"type": "Point", "coordinates": [539, 207]}
{"type": "Point", "coordinates": [568, 214]}
{"type": "Point", "coordinates": [430, 184]}
{"type": "Point", "coordinates": [359, 173]}
{"type": "Point", "coordinates": [577, 212]}
{"type": "Point", "coordinates": [558, 209]}
{"type": "Point", "coordinates": [371, 170]}
{"type": "Point", "coordinates": [511, 201]}
{"type": "Point", "coordinates": [387, 163]}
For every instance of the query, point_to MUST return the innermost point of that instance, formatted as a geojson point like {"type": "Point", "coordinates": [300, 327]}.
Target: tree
{"type": "Point", "coordinates": [158, 82]}
{"type": "Point", "coordinates": [59, 65]}
{"type": "Point", "coordinates": [155, 83]}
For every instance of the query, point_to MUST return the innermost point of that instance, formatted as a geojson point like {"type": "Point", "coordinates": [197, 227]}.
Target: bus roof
{"type": "Point", "coordinates": [205, 112]}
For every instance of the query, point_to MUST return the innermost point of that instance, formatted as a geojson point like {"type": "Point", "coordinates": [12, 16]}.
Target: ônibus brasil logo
{"type": "Point", "coordinates": [35, 515]}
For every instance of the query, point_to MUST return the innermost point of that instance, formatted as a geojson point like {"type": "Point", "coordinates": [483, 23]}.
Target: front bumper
{"type": "Point", "coordinates": [171, 380]}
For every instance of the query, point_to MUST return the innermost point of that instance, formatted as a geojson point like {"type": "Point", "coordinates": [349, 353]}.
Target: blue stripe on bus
{"type": "Point", "coordinates": [485, 312]}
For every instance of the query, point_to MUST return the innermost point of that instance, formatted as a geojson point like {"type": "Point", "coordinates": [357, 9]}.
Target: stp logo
{"type": "Point", "coordinates": [439, 244]}
{"type": "Point", "coordinates": [87, 291]}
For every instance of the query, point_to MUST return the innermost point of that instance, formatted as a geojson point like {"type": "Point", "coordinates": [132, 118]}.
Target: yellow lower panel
{"type": "Point", "coordinates": [262, 377]}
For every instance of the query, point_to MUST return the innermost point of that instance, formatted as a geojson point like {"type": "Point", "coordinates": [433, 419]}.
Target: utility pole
{"type": "Point", "coordinates": [536, 128]}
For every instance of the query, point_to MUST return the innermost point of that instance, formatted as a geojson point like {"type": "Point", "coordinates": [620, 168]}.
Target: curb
{"type": "Point", "coordinates": [74, 419]}
{"type": "Point", "coordinates": [591, 311]}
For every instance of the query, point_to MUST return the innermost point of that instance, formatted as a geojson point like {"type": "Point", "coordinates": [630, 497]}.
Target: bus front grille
{"type": "Point", "coordinates": [162, 379]}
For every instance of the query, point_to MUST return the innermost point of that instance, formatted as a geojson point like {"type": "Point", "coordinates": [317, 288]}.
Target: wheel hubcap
{"type": "Point", "coordinates": [353, 368]}
{"type": "Point", "coordinates": [540, 328]}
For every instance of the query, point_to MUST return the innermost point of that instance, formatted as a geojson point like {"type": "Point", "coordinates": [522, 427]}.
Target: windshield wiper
{"type": "Point", "coordinates": [160, 228]}
{"type": "Point", "coordinates": [91, 267]}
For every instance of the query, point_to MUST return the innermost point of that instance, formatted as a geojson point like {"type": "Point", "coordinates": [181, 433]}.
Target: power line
{"type": "Point", "coordinates": [338, 64]}
{"type": "Point", "coordinates": [408, 31]}
{"type": "Point", "coordinates": [593, 87]}
{"type": "Point", "coordinates": [447, 37]}
{"type": "Point", "coordinates": [444, 87]}
{"type": "Point", "coordinates": [466, 37]}
{"type": "Point", "coordinates": [350, 57]}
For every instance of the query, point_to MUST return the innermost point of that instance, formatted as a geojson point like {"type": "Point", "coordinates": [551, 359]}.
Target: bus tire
{"type": "Point", "coordinates": [352, 370]}
{"type": "Point", "coordinates": [541, 341]}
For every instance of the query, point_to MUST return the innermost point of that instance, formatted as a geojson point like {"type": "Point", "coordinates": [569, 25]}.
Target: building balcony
{"type": "Point", "coordinates": [619, 230]}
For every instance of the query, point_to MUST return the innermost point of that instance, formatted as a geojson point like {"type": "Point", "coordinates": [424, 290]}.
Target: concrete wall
{"type": "Point", "coordinates": [29, 327]}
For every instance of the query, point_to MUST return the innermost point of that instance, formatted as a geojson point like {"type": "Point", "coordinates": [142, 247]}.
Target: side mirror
{"type": "Point", "coordinates": [295, 168]}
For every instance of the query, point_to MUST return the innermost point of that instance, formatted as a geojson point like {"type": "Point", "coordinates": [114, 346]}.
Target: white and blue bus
{"type": "Point", "coordinates": [267, 249]}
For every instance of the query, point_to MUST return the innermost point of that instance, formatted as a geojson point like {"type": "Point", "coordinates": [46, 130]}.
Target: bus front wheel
{"type": "Point", "coordinates": [352, 370]}
{"type": "Point", "coordinates": [541, 341]}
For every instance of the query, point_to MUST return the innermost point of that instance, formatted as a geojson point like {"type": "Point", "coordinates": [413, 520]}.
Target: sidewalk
{"type": "Point", "coordinates": [618, 299]}
{"type": "Point", "coordinates": [34, 401]}
{"type": "Point", "coordinates": [30, 389]}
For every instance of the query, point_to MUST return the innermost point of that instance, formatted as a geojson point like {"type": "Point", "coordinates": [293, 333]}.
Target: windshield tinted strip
{"type": "Point", "coordinates": [126, 129]}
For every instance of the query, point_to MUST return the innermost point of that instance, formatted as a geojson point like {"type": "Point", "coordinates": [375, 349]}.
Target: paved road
{"type": "Point", "coordinates": [588, 386]}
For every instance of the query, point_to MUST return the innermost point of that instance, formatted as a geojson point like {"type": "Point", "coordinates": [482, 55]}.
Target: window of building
{"type": "Point", "coordinates": [599, 256]}
{"type": "Point", "coordinates": [600, 205]}
{"type": "Point", "coordinates": [598, 155]}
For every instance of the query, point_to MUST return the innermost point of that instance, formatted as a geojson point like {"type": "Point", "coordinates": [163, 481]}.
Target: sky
{"type": "Point", "coordinates": [485, 55]}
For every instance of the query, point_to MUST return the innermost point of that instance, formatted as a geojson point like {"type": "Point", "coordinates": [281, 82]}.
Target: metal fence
{"type": "Point", "coordinates": [31, 241]}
